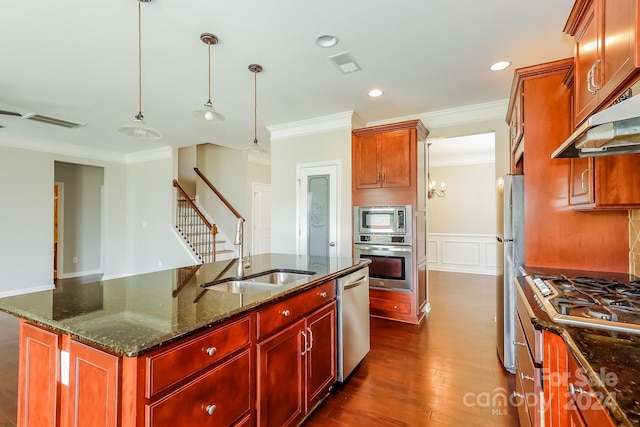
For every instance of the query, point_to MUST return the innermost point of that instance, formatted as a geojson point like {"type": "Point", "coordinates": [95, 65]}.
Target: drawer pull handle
{"type": "Point", "coordinates": [521, 344]}
{"type": "Point", "coordinates": [323, 294]}
{"type": "Point", "coordinates": [210, 409]}
{"type": "Point", "coordinates": [286, 313]}
{"type": "Point", "coordinates": [211, 351]}
{"type": "Point", "coordinates": [516, 394]}
{"type": "Point", "coordinates": [525, 377]}
{"type": "Point", "coordinates": [578, 390]}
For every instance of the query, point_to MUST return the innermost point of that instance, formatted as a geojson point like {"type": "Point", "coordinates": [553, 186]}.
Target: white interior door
{"type": "Point", "coordinates": [261, 211]}
{"type": "Point", "coordinates": [317, 215]}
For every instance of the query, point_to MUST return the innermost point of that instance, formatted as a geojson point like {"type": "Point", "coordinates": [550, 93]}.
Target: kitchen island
{"type": "Point", "coordinates": [590, 375]}
{"type": "Point", "coordinates": [168, 348]}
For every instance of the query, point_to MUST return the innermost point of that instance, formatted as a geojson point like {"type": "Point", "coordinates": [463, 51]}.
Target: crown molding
{"type": "Point", "coordinates": [64, 149]}
{"type": "Point", "coordinates": [328, 123]}
{"type": "Point", "coordinates": [148, 155]}
{"type": "Point", "coordinates": [456, 116]}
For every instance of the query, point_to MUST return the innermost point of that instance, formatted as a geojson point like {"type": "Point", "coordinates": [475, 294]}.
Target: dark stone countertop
{"type": "Point", "coordinates": [610, 359]}
{"type": "Point", "coordinates": [132, 315]}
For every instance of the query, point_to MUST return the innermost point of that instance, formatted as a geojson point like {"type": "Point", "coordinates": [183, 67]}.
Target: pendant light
{"type": "Point", "coordinates": [255, 148]}
{"type": "Point", "coordinates": [208, 113]}
{"type": "Point", "coordinates": [138, 128]}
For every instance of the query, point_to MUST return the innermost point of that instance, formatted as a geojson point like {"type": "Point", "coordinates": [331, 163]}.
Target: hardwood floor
{"type": "Point", "coordinates": [444, 372]}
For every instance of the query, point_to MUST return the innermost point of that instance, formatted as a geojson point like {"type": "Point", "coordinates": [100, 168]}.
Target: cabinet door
{"type": "Point", "coordinates": [38, 370]}
{"type": "Point", "coordinates": [618, 43]}
{"type": "Point", "coordinates": [556, 393]}
{"type": "Point", "coordinates": [281, 383]}
{"type": "Point", "coordinates": [581, 182]}
{"type": "Point", "coordinates": [321, 360]}
{"type": "Point", "coordinates": [366, 156]}
{"type": "Point", "coordinates": [395, 150]}
{"type": "Point", "coordinates": [587, 53]}
{"type": "Point", "coordinates": [616, 181]}
{"type": "Point", "coordinates": [93, 387]}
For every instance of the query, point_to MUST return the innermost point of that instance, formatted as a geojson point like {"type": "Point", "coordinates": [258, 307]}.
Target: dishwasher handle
{"type": "Point", "coordinates": [356, 283]}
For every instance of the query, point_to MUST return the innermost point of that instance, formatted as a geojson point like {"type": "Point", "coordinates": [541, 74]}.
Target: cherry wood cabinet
{"type": "Point", "coordinates": [555, 234]}
{"type": "Point", "coordinates": [556, 395]}
{"type": "Point", "coordinates": [382, 159]}
{"type": "Point", "coordinates": [515, 119]}
{"type": "Point", "coordinates": [64, 382]}
{"type": "Point", "coordinates": [38, 376]}
{"type": "Point", "coordinates": [606, 50]}
{"type": "Point", "coordinates": [389, 164]}
{"type": "Point", "coordinates": [297, 360]}
{"type": "Point", "coordinates": [609, 182]}
{"type": "Point", "coordinates": [270, 367]}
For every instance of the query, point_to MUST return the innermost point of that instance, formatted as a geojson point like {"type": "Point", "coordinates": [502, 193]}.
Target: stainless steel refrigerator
{"type": "Point", "coordinates": [510, 246]}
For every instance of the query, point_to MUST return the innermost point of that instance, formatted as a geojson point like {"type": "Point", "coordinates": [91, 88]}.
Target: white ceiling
{"type": "Point", "coordinates": [77, 60]}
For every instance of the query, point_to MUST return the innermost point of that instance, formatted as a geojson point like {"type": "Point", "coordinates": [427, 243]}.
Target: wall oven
{"type": "Point", "coordinates": [382, 234]}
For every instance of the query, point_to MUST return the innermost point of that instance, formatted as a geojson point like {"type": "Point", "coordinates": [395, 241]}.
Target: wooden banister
{"type": "Point", "coordinates": [212, 227]}
{"type": "Point", "coordinates": [220, 196]}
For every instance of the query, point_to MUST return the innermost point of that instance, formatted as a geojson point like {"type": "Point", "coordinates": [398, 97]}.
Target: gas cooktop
{"type": "Point", "coordinates": [590, 302]}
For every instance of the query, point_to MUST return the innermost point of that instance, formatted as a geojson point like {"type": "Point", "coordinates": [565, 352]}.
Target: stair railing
{"type": "Point", "coordinates": [194, 219]}
{"type": "Point", "coordinates": [239, 230]}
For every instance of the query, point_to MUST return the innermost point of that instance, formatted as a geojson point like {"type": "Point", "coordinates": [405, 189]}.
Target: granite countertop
{"type": "Point", "coordinates": [610, 359]}
{"type": "Point", "coordinates": [132, 315]}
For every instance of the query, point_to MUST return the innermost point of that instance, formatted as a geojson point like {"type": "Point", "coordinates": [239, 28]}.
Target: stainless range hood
{"type": "Point", "coordinates": [615, 130]}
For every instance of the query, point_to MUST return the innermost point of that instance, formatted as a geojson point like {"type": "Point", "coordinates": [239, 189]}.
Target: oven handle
{"type": "Point", "coordinates": [385, 248]}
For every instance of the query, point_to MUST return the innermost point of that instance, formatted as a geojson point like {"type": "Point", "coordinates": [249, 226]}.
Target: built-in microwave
{"type": "Point", "coordinates": [382, 220]}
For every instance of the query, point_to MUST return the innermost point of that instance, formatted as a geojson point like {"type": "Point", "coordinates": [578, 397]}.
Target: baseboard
{"type": "Point", "coordinates": [79, 274]}
{"type": "Point", "coordinates": [26, 291]}
{"type": "Point", "coordinates": [463, 253]}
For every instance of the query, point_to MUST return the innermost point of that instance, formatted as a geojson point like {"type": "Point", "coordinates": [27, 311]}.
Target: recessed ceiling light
{"type": "Point", "coordinates": [327, 40]}
{"type": "Point", "coordinates": [375, 93]}
{"type": "Point", "coordinates": [500, 65]}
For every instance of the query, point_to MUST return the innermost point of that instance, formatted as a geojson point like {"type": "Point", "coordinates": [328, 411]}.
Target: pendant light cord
{"type": "Point", "coordinates": [209, 44]}
{"type": "Point", "coordinates": [139, 59]}
{"type": "Point", "coordinates": [255, 106]}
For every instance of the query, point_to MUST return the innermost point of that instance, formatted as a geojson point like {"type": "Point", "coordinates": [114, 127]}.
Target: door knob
{"type": "Point", "coordinates": [332, 244]}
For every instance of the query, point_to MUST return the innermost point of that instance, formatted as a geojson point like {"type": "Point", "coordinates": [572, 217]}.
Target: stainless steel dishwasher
{"type": "Point", "coordinates": [354, 339]}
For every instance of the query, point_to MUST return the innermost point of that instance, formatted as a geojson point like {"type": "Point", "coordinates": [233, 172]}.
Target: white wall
{"type": "Point", "coordinates": [288, 152]}
{"type": "Point", "coordinates": [150, 195]}
{"type": "Point", "coordinates": [133, 193]}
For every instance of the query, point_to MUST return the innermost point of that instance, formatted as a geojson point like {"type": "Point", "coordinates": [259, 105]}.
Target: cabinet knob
{"type": "Point", "coordinates": [286, 313]}
{"type": "Point", "coordinates": [211, 351]}
{"type": "Point", "coordinates": [210, 409]}
{"type": "Point", "coordinates": [323, 294]}
{"type": "Point", "coordinates": [395, 307]}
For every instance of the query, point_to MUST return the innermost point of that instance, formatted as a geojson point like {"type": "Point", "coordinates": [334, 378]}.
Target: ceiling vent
{"type": "Point", "coordinates": [53, 121]}
{"type": "Point", "coordinates": [345, 62]}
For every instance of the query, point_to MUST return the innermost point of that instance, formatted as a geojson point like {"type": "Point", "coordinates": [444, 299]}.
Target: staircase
{"type": "Point", "coordinates": [198, 236]}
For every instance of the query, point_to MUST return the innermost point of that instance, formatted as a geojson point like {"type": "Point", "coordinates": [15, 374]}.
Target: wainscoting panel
{"type": "Point", "coordinates": [463, 253]}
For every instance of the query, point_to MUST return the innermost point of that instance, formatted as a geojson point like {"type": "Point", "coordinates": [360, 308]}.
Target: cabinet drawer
{"type": "Point", "coordinates": [167, 367]}
{"type": "Point", "coordinates": [389, 306]}
{"type": "Point", "coordinates": [217, 398]}
{"type": "Point", "coordinates": [585, 399]}
{"type": "Point", "coordinates": [285, 312]}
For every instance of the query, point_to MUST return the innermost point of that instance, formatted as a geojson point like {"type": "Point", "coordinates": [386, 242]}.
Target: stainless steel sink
{"type": "Point", "coordinates": [278, 277]}
{"type": "Point", "coordinates": [241, 287]}
{"type": "Point", "coordinates": [267, 281]}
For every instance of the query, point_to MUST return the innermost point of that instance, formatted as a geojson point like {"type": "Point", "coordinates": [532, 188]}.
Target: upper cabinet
{"type": "Point", "coordinates": [385, 162]}
{"type": "Point", "coordinates": [515, 119]}
{"type": "Point", "coordinates": [606, 51]}
{"type": "Point", "coordinates": [382, 159]}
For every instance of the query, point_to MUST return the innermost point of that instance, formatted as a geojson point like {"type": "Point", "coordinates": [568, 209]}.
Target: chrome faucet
{"type": "Point", "coordinates": [242, 263]}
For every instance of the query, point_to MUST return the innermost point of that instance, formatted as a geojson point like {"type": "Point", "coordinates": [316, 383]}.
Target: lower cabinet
{"type": "Point", "coordinates": [65, 383]}
{"type": "Point", "coordinates": [296, 367]}
{"type": "Point", "coordinates": [270, 367]}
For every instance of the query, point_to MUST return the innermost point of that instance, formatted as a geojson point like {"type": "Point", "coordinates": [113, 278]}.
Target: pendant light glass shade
{"type": "Point", "coordinates": [138, 128]}
{"type": "Point", "coordinates": [208, 113]}
{"type": "Point", "coordinates": [255, 148]}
